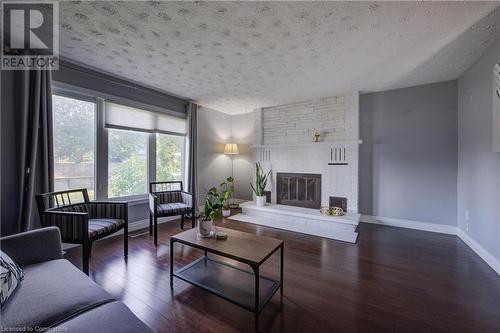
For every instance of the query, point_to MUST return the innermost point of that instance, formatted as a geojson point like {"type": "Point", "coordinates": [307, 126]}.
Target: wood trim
{"type": "Point", "coordinates": [480, 250]}
{"type": "Point", "coordinates": [410, 224]}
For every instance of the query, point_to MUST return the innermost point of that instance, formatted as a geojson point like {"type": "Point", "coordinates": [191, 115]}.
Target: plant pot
{"type": "Point", "coordinates": [261, 200]}
{"type": "Point", "coordinates": [205, 228]}
{"type": "Point", "coordinates": [226, 212]}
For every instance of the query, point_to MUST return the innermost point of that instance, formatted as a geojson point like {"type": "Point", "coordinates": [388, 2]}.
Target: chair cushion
{"type": "Point", "coordinates": [100, 226]}
{"type": "Point", "coordinates": [51, 292]}
{"type": "Point", "coordinates": [110, 318]}
{"type": "Point", "coordinates": [173, 208]}
{"type": "Point", "coordinates": [11, 275]}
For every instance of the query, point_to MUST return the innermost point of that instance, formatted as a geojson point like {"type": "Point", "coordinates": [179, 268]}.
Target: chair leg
{"type": "Point", "coordinates": [150, 224]}
{"type": "Point", "coordinates": [86, 247]}
{"type": "Point", "coordinates": [193, 219]}
{"type": "Point", "coordinates": [125, 240]}
{"type": "Point", "coordinates": [182, 221]}
{"type": "Point", "coordinates": [155, 222]}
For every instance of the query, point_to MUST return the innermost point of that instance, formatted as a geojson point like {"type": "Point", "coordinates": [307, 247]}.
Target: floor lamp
{"type": "Point", "coordinates": [231, 149]}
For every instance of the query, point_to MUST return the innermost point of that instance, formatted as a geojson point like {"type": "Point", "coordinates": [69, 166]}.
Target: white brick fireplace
{"type": "Point", "coordinates": [284, 138]}
{"type": "Point", "coordinates": [284, 143]}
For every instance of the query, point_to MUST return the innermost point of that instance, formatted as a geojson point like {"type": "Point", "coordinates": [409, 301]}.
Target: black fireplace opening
{"type": "Point", "coordinates": [299, 189]}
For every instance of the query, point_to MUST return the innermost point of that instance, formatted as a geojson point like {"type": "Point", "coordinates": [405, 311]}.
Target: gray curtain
{"type": "Point", "coordinates": [34, 112]}
{"type": "Point", "coordinates": [192, 114]}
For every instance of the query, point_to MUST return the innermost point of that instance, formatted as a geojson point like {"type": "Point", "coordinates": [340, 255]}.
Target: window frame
{"type": "Point", "coordinates": [101, 142]}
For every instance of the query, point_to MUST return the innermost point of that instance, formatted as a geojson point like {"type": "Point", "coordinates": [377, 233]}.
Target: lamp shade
{"type": "Point", "coordinates": [231, 149]}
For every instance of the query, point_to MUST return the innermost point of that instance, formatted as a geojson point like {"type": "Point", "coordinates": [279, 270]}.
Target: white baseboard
{"type": "Point", "coordinates": [410, 224]}
{"type": "Point", "coordinates": [480, 251]}
{"type": "Point", "coordinates": [484, 254]}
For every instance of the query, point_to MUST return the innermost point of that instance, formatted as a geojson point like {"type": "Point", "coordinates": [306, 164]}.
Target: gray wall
{"type": "Point", "coordinates": [408, 159]}
{"type": "Point", "coordinates": [478, 166]}
{"type": "Point", "coordinates": [214, 130]}
{"type": "Point", "coordinates": [242, 134]}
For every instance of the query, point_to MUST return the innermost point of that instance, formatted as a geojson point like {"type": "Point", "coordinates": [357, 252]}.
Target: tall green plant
{"type": "Point", "coordinates": [227, 190]}
{"type": "Point", "coordinates": [260, 180]}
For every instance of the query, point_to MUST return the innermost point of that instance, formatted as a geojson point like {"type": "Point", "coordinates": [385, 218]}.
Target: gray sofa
{"type": "Point", "coordinates": [55, 294]}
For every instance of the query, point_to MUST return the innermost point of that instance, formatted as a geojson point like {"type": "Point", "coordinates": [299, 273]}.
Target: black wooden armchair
{"type": "Point", "coordinates": [168, 199]}
{"type": "Point", "coordinates": [83, 222]}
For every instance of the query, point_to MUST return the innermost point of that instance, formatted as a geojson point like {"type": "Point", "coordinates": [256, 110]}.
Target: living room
{"type": "Point", "coordinates": [250, 166]}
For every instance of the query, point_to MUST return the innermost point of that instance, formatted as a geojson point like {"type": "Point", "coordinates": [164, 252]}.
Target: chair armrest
{"type": "Point", "coordinates": [108, 209]}
{"type": "Point", "coordinates": [187, 198]}
{"type": "Point", "coordinates": [153, 199]}
{"type": "Point", "coordinates": [34, 246]}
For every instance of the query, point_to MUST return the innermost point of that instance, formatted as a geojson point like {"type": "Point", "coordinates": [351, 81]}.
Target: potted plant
{"type": "Point", "coordinates": [260, 184]}
{"type": "Point", "coordinates": [227, 189]}
{"type": "Point", "coordinates": [211, 211]}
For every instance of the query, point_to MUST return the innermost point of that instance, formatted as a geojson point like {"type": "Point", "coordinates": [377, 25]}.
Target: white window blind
{"type": "Point", "coordinates": [126, 117]}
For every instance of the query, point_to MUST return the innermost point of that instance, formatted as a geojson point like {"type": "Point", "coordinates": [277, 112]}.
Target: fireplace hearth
{"type": "Point", "coordinates": [298, 189]}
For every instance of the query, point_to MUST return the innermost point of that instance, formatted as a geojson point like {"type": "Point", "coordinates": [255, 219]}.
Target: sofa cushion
{"type": "Point", "coordinates": [173, 208]}
{"type": "Point", "coordinates": [110, 318]}
{"type": "Point", "coordinates": [98, 227]}
{"type": "Point", "coordinates": [10, 275]}
{"type": "Point", "coordinates": [51, 292]}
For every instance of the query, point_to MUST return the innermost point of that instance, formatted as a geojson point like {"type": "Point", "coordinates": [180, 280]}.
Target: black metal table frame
{"type": "Point", "coordinates": [255, 268]}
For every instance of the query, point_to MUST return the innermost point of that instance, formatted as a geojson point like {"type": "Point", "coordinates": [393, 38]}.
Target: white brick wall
{"type": "Point", "coordinates": [335, 117]}
{"type": "Point", "coordinates": [282, 130]}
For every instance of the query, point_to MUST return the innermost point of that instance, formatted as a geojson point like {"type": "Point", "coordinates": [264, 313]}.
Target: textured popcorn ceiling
{"type": "Point", "coordinates": [238, 56]}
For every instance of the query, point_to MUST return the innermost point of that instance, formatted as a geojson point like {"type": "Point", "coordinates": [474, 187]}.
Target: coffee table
{"type": "Point", "coordinates": [245, 288]}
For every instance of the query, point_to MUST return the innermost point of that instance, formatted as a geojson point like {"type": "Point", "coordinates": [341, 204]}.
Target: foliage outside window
{"type": "Point", "coordinates": [127, 163]}
{"type": "Point", "coordinates": [169, 157]}
{"type": "Point", "coordinates": [74, 132]}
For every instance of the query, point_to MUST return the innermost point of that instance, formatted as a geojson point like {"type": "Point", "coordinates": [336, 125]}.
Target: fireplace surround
{"type": "Point", "coordinates": [298, 189]}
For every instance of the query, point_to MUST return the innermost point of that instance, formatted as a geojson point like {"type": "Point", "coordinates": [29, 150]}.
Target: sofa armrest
{"type": "Point", "coordinates": [34, 246]}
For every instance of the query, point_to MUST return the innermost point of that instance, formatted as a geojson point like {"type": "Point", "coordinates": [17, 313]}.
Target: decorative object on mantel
{"type": "Point", "coordinates": [317, 135]}
{"type": "Point", "coordinates": [260, 184]}
{"type": "Point", "coordinates": [211, 211]}
{"type": "Point", "coordinates": [227, 190]}
{"type": "Point", "coordinates": [332, 211]}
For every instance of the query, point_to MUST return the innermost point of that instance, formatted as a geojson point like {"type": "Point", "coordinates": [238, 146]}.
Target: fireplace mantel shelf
{"type": "Point", "coordinates": [322, 143]}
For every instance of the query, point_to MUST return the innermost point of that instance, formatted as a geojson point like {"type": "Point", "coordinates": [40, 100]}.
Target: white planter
{"type": "Point", "coordinates": [226, 213]}
{"type": "Point", "coordinates": [261, 201]}
{"type": "Point", "coordinates": [205, 228]}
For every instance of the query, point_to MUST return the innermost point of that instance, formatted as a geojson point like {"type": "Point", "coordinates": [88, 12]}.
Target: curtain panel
{"type": "Point", "coordinates": [192, 116]}
{"type": "Point", "coordinates": [34, 140]}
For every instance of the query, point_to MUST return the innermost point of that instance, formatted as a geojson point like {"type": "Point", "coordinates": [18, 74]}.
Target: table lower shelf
{"type": "Point", "coordinates": [229, 282]}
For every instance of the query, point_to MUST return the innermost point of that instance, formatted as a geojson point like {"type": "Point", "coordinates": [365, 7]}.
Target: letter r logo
{"type": "Point", "coordinates": [28, 27]}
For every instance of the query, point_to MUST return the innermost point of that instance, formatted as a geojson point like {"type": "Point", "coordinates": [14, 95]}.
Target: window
{"type": "Point", "coordinates": [74, 133]}
{"type": "Point", "coordinates": [142, 145]}
{"type": "Point", "coordinates": [127, 163]}
{"type": "Point", "coordinates": [169, 157]}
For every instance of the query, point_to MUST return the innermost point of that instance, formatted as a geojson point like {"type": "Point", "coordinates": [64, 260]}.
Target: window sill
{"type": "Point", "coordinates": [133, 201]}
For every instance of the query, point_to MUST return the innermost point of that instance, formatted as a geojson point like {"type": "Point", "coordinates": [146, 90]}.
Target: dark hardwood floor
{"type": "Point", "coordinates": [392, 280]}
